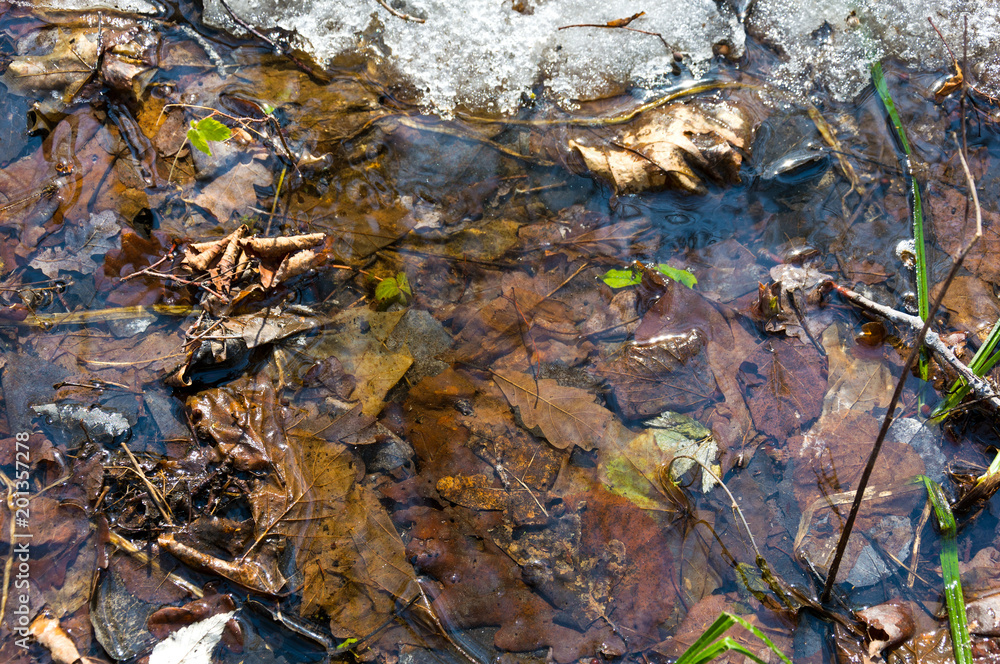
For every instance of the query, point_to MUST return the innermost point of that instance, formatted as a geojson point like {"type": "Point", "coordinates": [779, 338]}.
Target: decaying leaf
{"type": "Point", "coordinates": [887, 625]}
{"type": "Point", "coordinates": [665, 146]}
{"type": "Point", "coordinates": [192, 644]}
{"type": "Point", "coordinates": [564, 415]}
{"type": "Point", "coordinates": [785, 382]}
{"type": "Point", "coordinates": [478, 492]}
{"type": "Point", "coordinates": [48, 632]}
{"type": "Point", "coordinates": [671, 373]}
{"type": "Point", "coordinates": [233, 191]}
{"type": "Point", "coordinates": [632, 469]}
{"type": "Point", "coordinates": [94, 237]}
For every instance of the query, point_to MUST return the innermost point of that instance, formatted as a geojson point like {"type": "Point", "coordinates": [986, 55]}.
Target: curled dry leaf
{"type": "Point", "coordinates": [247, 572]}
{"type": "Point", "coordinates": [282, 258]}
{"type": "Point", "coordinates": [201, 255]}
{"type": "Point", "coordinates": [665, 145]}
{"type": "Point", "coordinates": [887, 625]}
{"type": "Point", "coordinates": [276, 247]}
{"type": "Point", "coordinates": [296, 264]}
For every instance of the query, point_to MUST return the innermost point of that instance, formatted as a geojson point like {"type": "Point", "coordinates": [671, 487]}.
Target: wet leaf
{"type": "Point", "coordinates": [973, 306]}
{"type": "Point", "coordinates": [233, 191]}
{"type": "Point", "coordinates": [666, 144]}
{"type": "Point", "coordinates": [170, 619]}
{"type": "Point", "coordinates": [623, 278]}
{"type": "Point", "coordinates": [856, 382]}
{"type": "Point", "coordinates": [566, 416]}
{"type": "Point", "coordinates": [785, 382]}
{"type": "Point", "coordinates": [887, 624]}
{"type": "Point", "coordinates": [394, 289]}
{"type": "Point", "coordinates": [94, 237]}
{"type": "Point", "coordinates": [683, 312]}
{"type": "Point", "coordinates": [633, 469]}
{"type": "Point", "coordinates": [357, 338]}
{"type": "Point", "coordinates": [355, 567]}
{"type": "Point", "coordinates": [952, 231]}
{"type": "Point", "coordinates": [477, 492]}
{"type": "Point", "coordinates": [671, 373]}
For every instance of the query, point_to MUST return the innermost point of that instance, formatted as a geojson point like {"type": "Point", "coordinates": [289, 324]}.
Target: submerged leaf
{"type": "Point", "coordinates": [623, 278]}
{"type": "Point", "coordinates": [564, 415]}
{"type": "Point", "coordinates": [633, 470]}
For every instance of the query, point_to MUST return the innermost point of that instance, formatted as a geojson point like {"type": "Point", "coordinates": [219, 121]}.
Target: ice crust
{"type": "Point", "coordinates": [485, 55]}
{"type": "Point", "coordinates": [831, 43]}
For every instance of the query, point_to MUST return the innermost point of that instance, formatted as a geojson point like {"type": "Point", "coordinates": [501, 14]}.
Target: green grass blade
{"type": "Point", "coordinates": [714, 631]}
{"type": "Point", "coordinates": [984, 360]}
{"type": "Point", "coordinates": [878, 78]}
{"type": "Point", "coordinates": [709, 645]}
{"type": "Point", "coordinates": [923, 302]}
{"type": "Point", "coordinates": [954, 599]}
{"type": "Point", "coordinates": [760, 635]}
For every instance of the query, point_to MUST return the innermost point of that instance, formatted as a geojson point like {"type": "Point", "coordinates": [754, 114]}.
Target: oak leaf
{"type": "Point", "coordinates": [565, 416]}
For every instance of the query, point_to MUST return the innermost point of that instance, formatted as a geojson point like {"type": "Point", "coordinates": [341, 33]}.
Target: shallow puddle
{"type": "Point", "coordinates": [294, 371]}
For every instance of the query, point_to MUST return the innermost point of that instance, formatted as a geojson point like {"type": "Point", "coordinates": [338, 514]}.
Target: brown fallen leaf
{"type": "Point", "coordinates": [50, 634]}
{"type": "Point", "coordinates": [671, 374]}
{"type": "Point", "coordinates": [234, 190]}
{"type": "Point", "coordinates": [477, 492]}
{"type": "Point", "coordinates": [296, 264]}
{"type": "Point", "coordinates": [565, 416]}
{"type": "Point", "coordinates": [200, 255]}
{"type": "Point", "coordinates": [665, 145]}
{"type": "Point", "coordinates": [282, 258]}
{"type": "Point", "coordinates": [785, 381]}
{"type": "Point", "coordinates": [276, 247]}
{"type": "Point", "coordinates": [225, 271]}
{"type": "Point", "coordinates": [887, 625]}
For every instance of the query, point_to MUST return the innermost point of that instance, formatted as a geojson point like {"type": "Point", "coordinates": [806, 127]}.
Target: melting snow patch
{"type": "Point", "coordinates": [490, 54]}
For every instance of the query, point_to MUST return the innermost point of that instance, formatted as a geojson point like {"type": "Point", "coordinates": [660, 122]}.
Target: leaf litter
{"type": "Point", "coordinates": [402, 417]}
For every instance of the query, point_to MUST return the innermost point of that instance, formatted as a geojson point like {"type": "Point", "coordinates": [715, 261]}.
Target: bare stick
{"type": "Point", "coordinates": [911, 357]}
{"type": "Point", "coordinates": [153, 493]}
{"type": "Point", "coordinates": [399, 14]}
{"type": "Point", "coordinates": [933, 341]}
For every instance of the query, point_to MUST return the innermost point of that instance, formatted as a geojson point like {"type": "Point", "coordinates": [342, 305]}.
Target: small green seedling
{"type": "Point", "coordinates": [632, 277]}
{"type": "Point", "coordinates": [205, 130]}
{"type": "Point", "coordinates": [393, 289]}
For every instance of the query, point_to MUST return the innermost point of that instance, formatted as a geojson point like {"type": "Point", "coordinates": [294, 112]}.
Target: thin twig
{"type": "Point", "coordinates": [153, 493]}
{"type": "Point", "coordinates": [399, 14]}
{"type": "Point", "coordinates": [609, 26]}
{"type": "Point", "coordinates": [311, 71]}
